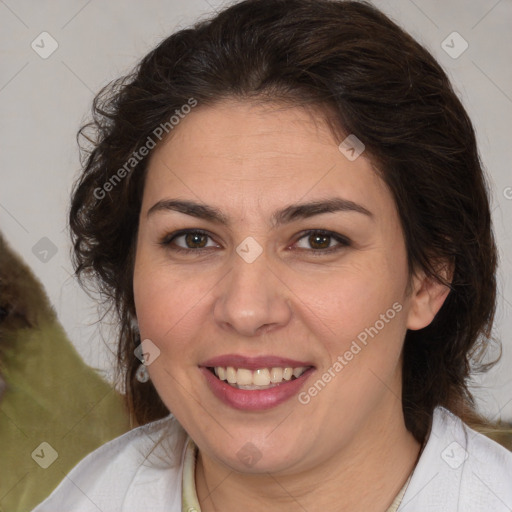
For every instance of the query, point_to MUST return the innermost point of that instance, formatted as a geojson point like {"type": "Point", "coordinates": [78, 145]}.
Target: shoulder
{"type": "Point", "coordinates": [134, 470]}
{"type": "Point", "coordinates": [459, 469]}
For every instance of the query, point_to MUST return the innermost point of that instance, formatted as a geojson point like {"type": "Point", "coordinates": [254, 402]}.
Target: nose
{"type": "Point", "coordinates": [252, 299]}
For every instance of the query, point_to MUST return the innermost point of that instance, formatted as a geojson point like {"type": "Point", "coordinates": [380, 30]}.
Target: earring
{"type": "Point", "coordinates": [142, 374]}
{"type": "Point", "coordinates": [134, 324]}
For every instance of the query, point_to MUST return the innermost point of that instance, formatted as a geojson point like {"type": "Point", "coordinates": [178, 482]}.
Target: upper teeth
{"type": "Point", "coordinates": [244, 378]}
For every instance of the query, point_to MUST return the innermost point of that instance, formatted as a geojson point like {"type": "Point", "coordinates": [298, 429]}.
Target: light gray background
{"type": "Point", "coordinates": [44, 101]}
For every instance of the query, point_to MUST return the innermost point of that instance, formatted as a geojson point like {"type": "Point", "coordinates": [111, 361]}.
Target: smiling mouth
{"type": "Point", "coordinates": [263, 378]}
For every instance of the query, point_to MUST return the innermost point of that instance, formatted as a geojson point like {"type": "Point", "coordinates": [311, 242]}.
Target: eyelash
{"type": "Point", "coordinates": [343, 241]}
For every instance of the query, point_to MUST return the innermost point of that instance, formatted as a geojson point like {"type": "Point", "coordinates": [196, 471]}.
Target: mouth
{"type": "Point", "coordinates": [255, 383]}
{"type": "Point", "coordinates": [262, 378]}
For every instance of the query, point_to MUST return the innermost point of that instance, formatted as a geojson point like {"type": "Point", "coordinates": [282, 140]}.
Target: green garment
{"type": "Point", "coordinates": [52, 396]}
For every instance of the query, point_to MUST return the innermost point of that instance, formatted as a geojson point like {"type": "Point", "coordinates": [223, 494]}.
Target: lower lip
{"type": "Point", "coordinates": [254, 399]}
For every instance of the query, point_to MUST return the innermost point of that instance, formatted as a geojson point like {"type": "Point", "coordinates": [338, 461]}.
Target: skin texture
{"type": "Point", "coordinates": [348, 446]}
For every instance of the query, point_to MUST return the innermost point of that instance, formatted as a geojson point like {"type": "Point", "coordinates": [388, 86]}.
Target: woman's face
{"type": "Point", "coordinates": [250, 288]}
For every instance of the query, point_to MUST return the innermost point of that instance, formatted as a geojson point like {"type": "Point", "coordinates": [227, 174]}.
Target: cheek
{"type": "Point", "coordinates": [168, 303]}
{"type": "Point", "coordinates": [360, 310]}
{"type": "Point", "coordinates": [364, 321]}
{"type": "Point", "coordinates": [351, 299]}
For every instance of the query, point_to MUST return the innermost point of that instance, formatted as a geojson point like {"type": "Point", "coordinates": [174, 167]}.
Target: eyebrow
{"type": "Point", "coordinates": [287, 215]}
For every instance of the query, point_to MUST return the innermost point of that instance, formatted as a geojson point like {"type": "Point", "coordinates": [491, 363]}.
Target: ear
{"type": "Point", "coordinates": [427, 297]}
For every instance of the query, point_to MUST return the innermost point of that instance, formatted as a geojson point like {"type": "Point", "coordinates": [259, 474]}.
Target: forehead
{"type": "Point", "coordinates": [240, 155]}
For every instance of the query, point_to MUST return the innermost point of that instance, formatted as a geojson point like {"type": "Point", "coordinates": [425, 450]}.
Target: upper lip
{"type": "Point", "coordinates": [253, 363]}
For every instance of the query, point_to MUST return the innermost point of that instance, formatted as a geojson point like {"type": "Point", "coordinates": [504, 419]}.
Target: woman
{"type": "Point", "coordinates": [286, 208]}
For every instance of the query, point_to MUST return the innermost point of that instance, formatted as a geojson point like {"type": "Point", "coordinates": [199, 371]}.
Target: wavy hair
{"type": "Point", "coordinates": [348, 59]}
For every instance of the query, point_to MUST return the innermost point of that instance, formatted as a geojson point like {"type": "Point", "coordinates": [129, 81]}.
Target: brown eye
{"type": "Point", "coordinates": [190, 241]}
{"type": "Point", "coordinates": [320, 241]}
{"type": "Point", "coordinates": [195, 240]}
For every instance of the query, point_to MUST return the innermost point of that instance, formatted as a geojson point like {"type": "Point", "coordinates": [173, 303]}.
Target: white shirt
{"type": "Point", "coordinates": [142, 471]}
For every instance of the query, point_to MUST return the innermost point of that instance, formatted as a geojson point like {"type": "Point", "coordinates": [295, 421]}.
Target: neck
{"type": "Point", "coordinates": [366, 475]}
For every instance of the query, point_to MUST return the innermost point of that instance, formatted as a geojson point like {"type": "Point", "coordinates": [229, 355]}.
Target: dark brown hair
{"type": "Point", "coordinates": [378, 83]}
